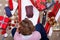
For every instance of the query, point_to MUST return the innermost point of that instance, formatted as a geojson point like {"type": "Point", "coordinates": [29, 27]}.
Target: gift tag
{"type": "Point", "coordinates": [29, 11]}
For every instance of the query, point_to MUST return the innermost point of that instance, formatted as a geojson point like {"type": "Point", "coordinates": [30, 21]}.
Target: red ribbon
{"type": "Point", "coordinates": [19, 10]}
{"type": "Point", "coordinates": [10, 4]}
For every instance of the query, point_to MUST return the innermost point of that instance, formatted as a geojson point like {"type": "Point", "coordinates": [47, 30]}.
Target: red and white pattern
{"type": "Point", "coordinates": [55, 13]}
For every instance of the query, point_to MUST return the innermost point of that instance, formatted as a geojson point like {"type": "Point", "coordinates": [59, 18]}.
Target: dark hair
{"type": "Point", "coordinates": [26, 27]}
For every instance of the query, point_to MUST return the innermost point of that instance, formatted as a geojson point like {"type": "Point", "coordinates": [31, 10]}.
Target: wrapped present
{"type": "Point", "coordinates": [4, 22]}
{"type": "Point", "coordinates": [8, 11]}
{"type": "Point", "coordinates": [10, 4]}
{"type": "Point", "coordinates": [29, 11]}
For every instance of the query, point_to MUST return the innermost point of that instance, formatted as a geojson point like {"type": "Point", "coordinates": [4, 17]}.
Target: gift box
{"type": "Point", "coordinates": [4, 22]}
{"type": "Point", "coordinates": [8, 11]}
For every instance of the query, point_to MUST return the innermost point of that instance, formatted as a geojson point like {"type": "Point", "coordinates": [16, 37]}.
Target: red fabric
{"type": "Point", "coordinates": [10, 4]}
{"type": "Point", "coordinates": [47, 27]}
{"type": "Point", "coordinates": [4, 22]}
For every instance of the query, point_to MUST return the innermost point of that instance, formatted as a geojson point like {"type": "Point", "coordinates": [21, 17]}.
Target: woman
{"type": "Point", "coordinates": [26, 31]}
